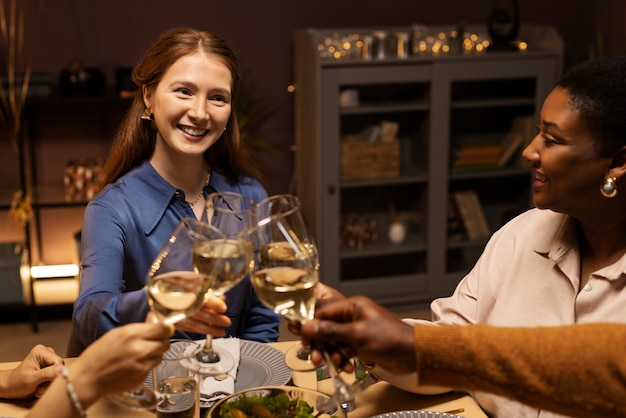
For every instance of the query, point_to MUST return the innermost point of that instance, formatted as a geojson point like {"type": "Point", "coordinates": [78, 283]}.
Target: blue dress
{"type": "Point", "coordinates": [124, 228]}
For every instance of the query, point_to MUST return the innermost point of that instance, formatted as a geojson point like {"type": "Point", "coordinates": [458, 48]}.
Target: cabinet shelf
{"type": "Point", "coordinates": [487, 103]}
{"type": "Point", "coordinates": [441, 104]}
{"type": "Point", "coordinates": [418, 178]}
{"type": "Point", "coordinates": [491, 173]}
{"type": "Point", "coordinates": [379, 108]}
{"type": "Point", "coordinates": [109, 96]}
{"type": "Point", "coordinates": [413, 244]}
{"type": "Point", "coordinates": [53, 196]}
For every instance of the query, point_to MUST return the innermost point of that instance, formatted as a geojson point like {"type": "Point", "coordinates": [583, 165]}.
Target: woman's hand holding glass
{"type": "Point", "coordinates": [209, 319]}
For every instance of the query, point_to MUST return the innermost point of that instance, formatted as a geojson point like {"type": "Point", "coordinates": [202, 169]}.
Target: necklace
{"type": "Point", "coordinates": [201, 194]}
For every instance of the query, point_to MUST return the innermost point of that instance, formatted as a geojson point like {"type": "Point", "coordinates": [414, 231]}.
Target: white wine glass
{"type": "Point", "coordinates": [230, 260]}
{"type": "Point", "coordinates": [288, 265]}
{"type": "Point", "coordinates": [285, 278]}
{"type": "Point", "coordinates": [175, 290]}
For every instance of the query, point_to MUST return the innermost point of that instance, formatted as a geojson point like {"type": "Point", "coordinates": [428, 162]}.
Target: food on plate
{"type": "Point", "coordinates": [276, 405]}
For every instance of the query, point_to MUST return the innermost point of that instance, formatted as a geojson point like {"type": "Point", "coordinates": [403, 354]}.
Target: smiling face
{"type": "Point", "coordinates": [191, 104]}
{"type": "Point", "coordinates": [568, 170]}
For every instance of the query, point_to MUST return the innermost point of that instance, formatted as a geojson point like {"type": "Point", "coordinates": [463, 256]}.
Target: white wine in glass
{"type": "Point", "coordinates": [176, 295]}
{"type": "Point", "coordinates": [234, 256]}
{"type": "Point", "coordinates": [288, 291]}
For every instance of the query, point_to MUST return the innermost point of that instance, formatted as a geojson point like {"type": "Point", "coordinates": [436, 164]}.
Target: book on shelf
{"type": "Point", "coordinates": [510, 145]}
{"type": "Point", "coordinates": [455, 227]}
{"type": "Point", "coordinates": [520, 135]}
{"type": "Point", "coordinates": [479, 156]}
{"type": "Point", "coordinates": [476, 154]}
{"type": "Point", "coordinates": [472, 214]}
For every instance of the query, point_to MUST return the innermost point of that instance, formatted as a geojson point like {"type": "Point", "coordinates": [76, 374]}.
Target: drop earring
{"type": "Point", "coordinates": [609, 188]}
{"type": "Point", "coordinates": [147, 114]}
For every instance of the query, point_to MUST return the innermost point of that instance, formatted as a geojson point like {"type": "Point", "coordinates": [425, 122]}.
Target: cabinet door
{"type": "Point", "coordinates": [367, 185]}
{"type": "Point", "coordinates": [483, 106]}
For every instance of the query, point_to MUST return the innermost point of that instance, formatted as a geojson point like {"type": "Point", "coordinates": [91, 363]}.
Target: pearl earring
{"type": "Point", "coordinates": [609, 188]}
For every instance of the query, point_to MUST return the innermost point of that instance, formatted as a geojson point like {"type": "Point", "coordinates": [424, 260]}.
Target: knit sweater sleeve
{"type": "Point", "coordinates": [577, 370]}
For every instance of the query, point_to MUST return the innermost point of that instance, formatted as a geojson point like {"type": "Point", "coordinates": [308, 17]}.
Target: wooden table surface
{"type": "Point", "coordinates": [379, 398]}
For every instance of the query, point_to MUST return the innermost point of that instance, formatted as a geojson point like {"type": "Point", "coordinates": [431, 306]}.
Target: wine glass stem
{"type": "Point", "coordinates": [207, 354]}
{"type": "Point", "coordinates": [342, 390]}
{"type": "Point", "coordinates": [208, 343]}
{"type": "Point", "coordinates": [304, 353]}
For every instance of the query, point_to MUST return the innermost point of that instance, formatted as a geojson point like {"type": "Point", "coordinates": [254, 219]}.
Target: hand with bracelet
{"type": "Point", "coordinates": [117, 361]}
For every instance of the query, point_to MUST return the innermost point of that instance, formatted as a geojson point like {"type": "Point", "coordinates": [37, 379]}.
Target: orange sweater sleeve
{"type": "Point", "coordinates": [577, 370]}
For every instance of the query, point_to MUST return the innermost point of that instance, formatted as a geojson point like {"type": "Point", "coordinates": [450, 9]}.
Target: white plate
{"type": "Point", "coordinates": [259, 365]}
{"type": "Point", "coordinates": [416, 414]}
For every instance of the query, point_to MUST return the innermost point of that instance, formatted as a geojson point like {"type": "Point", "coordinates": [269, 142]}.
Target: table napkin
{"type": "Point", "coordinates": [212, 387]}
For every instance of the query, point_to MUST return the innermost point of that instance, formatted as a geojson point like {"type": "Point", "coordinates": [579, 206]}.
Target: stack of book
{"type": "Point", "coordinates": [476, 156]}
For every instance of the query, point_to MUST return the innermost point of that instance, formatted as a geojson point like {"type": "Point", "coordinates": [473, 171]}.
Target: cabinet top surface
{"type": "Point", "coordinates": [344, 46]}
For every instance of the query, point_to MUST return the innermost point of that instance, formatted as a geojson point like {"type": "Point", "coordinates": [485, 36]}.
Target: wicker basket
{"type": "Point", "coordinates": [370, 160]}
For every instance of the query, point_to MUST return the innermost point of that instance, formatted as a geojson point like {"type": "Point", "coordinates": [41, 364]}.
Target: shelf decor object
{"type": "Point", "coordinates": [82, 179]}
{"type": "Point", "coordinates": [369, 160]}
{"type": "Point", "coordinates": [380, 133]}
{"type": "Point", "coordinates": [503, 24]}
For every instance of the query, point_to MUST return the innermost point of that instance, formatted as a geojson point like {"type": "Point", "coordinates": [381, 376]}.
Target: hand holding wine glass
{"type": "Point", "coordinates": [175, 290]}
{"type": "Point", "coordinates": [286, 279]}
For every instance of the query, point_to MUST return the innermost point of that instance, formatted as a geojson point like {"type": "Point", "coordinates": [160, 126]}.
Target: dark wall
{"type": "Point", "coordinates": [112, 33]}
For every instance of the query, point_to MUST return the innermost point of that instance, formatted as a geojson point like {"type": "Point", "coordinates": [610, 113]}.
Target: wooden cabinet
{"type": "Point", "coordinates": [439, 104]}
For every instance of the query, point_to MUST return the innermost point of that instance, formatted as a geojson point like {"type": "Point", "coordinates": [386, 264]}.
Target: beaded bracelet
{"type": "Point", "coordinates": [72, 393]}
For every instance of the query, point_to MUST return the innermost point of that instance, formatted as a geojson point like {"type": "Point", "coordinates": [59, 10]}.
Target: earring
{"type": "Point", "coordinates": [147, 114]}
{"type": "Point", "coordinates": [609, 188]}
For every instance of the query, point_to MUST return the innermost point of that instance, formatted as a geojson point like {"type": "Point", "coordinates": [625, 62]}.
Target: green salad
{"type": "Point", "coordinates": [266, 406]}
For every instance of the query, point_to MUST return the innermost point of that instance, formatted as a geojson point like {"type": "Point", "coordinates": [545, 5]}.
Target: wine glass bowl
{"type": "Point", "coordinates": [235, 256]}
{"type": "Point", "coordinates": [289, 292]}
{"type": "Point", "coordinates": [174, 296]}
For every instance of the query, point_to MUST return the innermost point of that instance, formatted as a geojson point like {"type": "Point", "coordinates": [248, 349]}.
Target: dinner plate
{"type": "Point", "coordinates": [416, 414]}
{"type": "Point", "coordinates": [259, 365]}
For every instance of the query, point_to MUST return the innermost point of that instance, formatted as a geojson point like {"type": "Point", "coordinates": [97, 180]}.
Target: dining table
{"type": "Point", "coordinates": [379, 398]}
